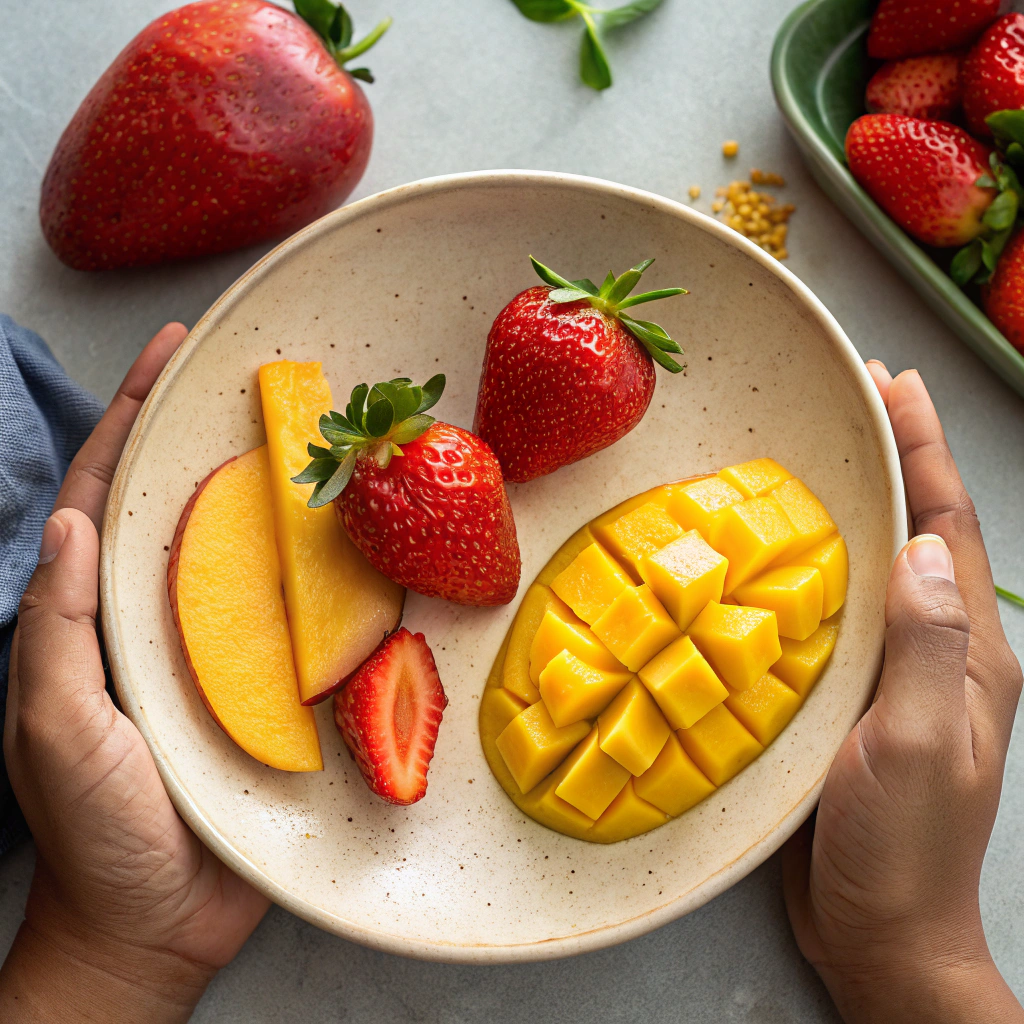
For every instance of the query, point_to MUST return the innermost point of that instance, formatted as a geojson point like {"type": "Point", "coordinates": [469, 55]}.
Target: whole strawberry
{"type": "Point", "coordinates": [423, 500]}
{"type": "Point", "coordinates": [923, 174]}
{"type": "Point", "coordinates": [567, 371]}
{"type": "Point", "coordinates": [220, 125]}
{"type": "Point", "coordinates": [993, 73]}
{"type": "Point", "coordinates": [1003, 297]}
{"type": "Point", "coordinates": [906, 28]}
{"type": "Point", "coordinates": [927, 87]}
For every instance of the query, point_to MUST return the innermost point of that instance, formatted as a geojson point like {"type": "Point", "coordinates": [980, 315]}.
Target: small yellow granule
{"type": "Point", "coordinates": [756, 215]}
{"type": "Point", "coordinates": [695, 191]}
{"type": "Point", "coordinates": [759, 177]}
{"type": "Point", "coordinates": [730, 148]}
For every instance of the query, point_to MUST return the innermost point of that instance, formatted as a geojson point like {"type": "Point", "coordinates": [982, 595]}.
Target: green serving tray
{"type": "Point", "coordinates": [820, 68]}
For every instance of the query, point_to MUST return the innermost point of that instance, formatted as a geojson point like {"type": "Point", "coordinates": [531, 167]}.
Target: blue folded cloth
{"type": "Point", "coordinates": [44, 418]}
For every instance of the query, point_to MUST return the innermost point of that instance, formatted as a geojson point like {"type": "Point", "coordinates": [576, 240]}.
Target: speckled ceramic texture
{"type": "Point", "coordinates": [407, 283]}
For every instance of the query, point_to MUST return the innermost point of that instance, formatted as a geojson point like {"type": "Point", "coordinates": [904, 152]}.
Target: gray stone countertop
{"type": "Point", "coordinates": [468, 85]}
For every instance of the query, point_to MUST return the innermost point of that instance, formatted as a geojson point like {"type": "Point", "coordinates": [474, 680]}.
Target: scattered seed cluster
{"type": "Point", "coordinates": [756, 215]}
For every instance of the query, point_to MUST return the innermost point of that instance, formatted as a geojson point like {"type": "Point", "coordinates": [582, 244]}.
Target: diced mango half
{"type": "Point", "coordinates": [830, 558]}
{"type": "Point", "coordinates": [635, 626]}
{"type": "Point", "coordinates": [627, 816]}
{"type": "Point", "coordinates": [694, 505]}
{"type": "Point", "coordinates": [810, 521]}
{"type": "Point", "coordinates": [673, 783]}
{"type": "Point", "coordinates": [632, 728]}
{"type": "Point", "coordinates": [793, 592]}
{"type": "Point", "coordinates": [590, 583]}
{"type": "Point", "coordinates": [573, 690]}
{"type": "Point", "coordinates": [637, 534]}
{"type": "Point", "coordinates": [756, 478]}
{"type": "Point", "coordinates": [719, 744]}
{"type": "Point", "coordinates": [765, 708]}
{"type": "Point", "coordinates": [533, 746]}
{"type": "Point", "coordinates": [751, 535]}
{"type": "Point", "coordinates": [682, 683]}
{"type": "Point", "coordinates": [559, 631]}
{"type": "Point", "coordinates": [592, 779]}
{"type": "Point", "coordinates": [740, 643]}
{"type": "Point", "coordinates": [685, 575]}
{"type": "Point", "coordinates": [802, 661]}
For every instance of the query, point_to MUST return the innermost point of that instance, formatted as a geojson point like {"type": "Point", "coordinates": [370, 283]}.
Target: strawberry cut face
{"type": "Point", "coordinates": [388, 714]}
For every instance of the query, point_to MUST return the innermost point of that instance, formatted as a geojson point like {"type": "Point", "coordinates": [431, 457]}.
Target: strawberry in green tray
{"type": "Point", "coordinates": [1003, 297]}
{"type": "Point", "coordinates": [993, 73]}
{"type": "Point", "coordinates": [219, 125]}
{"type": "Point", "coordinates": [568, 370]}
{"type": "Point", "coordinates": [907, 28]}
{"type": "Point", "coordinates": [927, 87]}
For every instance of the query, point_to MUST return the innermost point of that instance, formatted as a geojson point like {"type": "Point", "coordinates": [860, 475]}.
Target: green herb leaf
{"type": "Point", "coordinates": [432, 391]}
{"type": "Point", "coordinates": [594, 69]}
{"type": "Point", "coordinates": [319, 469]}
{"type": "Point", "coordinates": [385, 389]}
{"type": "Point", "coordinates": [343, 421]}
{"type": "Point", "coordinates": [966, 263]}
{"type": "Point", "coordinates": [548, 276]}
{"type": "Point", "coordinates": [380, 417]}
{"type": "Point", "coordinates": [546, 10]}
{"type": "Point", "coordinates": [1009, 595]}
{"type": "Point", "coordinates": [619, 16]}
{"type": "Point", "coordinates": [568, 295]}
{"type": "Point", "coordinates": [406, 402]}
{"type": "Point", "coordinates": [357, 406]}
{"type": "Point", "coordinates": [327, 490]}
{"type": "Point", "coordinates": [316, 452]}
{"type": "Point", "coordinates": [411, 428]}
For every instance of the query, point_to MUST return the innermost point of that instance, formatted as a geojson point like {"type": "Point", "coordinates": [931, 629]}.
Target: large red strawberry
{"type": "Point", "coordinates": [567, 371]}
{"type": "Point", "coordinates": [423, 500]}
{"type": "Point", "coordinates": [923, 174]}
{"type": "Point", "coordinates": [927, 87]}
{"type": "Point", "coordinates": [906, 28]}
{"type": "Point", "coordinates": [993, 73]}
{"type": "Point", "coordinates": [388, 714]}
{"type": "Point", "coordinates": [220, 125]}
{"type": "Point", "coordinates": [1003, 297]}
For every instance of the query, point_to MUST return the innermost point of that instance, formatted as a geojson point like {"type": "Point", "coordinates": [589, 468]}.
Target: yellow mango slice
{"type": "Point", "coordinates": [719, 744]}
{"type": "Point", "coordinates": [572, 690]}
{"type": "Point", "coordinates": [682, 683]}
{"type": "Point", "coordinates": [592, 779]}
{"type": "Point", "coordinates": [546, 807]}
{"type": "Point", "coordinates": [561, 631]}
{"type": "Point", "coordinates": [809, 518]}
{"type": "Point", "coordinates": [590, 583]}
{"type": "Point", "coordinates": [740, 643]}
{"type": "Point", "coordinates": [802, 661]}
{"type": "Point", "coordinates": [564, 555]}
{"type": "Point", "coordinates": [339, 606]}
{"type": "Point", "coordinates": [694, 505]}
{"type": "Point", "coordinates": [516, 674]}
{"type": "Point", "coordinates": [756, 478]}
{"type": "Point", "coordinates": [533, 746]}
{"type": "Point", "coordinates": [685, 575]}
{"type": "Point", "coordinates": [637, 534]}
{"type": "Point", "coordinates": [673, 783]}
{"type": "Point", "coordinates": [627, 816]}
{"type": "Point", "coordinates": [794, 593]}
{"type": "Point", "coordinates": [830, 558]}
{"type": "Point", "coordinates": [765, 708]}
{"type": "Point", "coordinates": [635, 627]}
{"type": "Point", "coordinates": [498, 708]}
{"type": "Point", "coordinates": [751, 534]}
{"type": "Point", "coordinates": [632, 729]}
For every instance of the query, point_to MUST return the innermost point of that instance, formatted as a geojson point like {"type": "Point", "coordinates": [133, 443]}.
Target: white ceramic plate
{"type": "Point", "coordinates": [407, 283]}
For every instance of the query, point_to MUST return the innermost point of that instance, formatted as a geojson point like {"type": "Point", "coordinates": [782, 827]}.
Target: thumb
{"type": "Point", "coordinates": [927, 634]}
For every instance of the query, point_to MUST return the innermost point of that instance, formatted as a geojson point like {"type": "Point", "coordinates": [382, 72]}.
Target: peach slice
{"type": "Point", "coordinates": [224, 584]}
{"type": "Point", "coordinates": [339, 606]}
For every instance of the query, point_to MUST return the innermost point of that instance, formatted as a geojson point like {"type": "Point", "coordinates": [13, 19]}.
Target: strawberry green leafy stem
{"type": "Point", "coordinates": [334, 26]}
{"type": "Point", "coordinates": [594, 69]}
{"type": "Point", "coordinates": [377, 422]}
{"type": "Point", "coordinates": [1009, 595]}
{"type": "Point", "coordinates": [612, 298]}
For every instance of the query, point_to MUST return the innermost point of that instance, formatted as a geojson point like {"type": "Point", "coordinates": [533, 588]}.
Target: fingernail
{"type": "Point", "coordinates": [54, 532]}
{"type": "Point", "coordinates": [929, 556]}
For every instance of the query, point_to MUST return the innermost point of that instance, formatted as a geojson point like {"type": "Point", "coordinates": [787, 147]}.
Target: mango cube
{"type": "Point", "coordinates": [515, 671]}
{"type": "Point", "coordinates": [562, 631]}
{"type": "Point", "coordinates": [571, 689]}
{"type": "Point", "coordinates": [802, 661]}
{"type": "Point", "coordinates": [740, 643]}
{"type": "Point", "coordinates": [685, 575]}
{"type": "Point", "coordinates": [673, 783]}
{"type": "Point", "coordinates": [831, 559]}
{"type": "Point", "coordinates": [765, 708]}
{"type": "Point", "coordinates": [682, 683]}
{"type": "Point", "coordinates": [751, 535]}
{"type": "Point", "coordinates": [543, 804]}
{"type": "Point", "coordinates": [590, 583]}
{"type": "Point", "coordinates": [811, 522]}
{"type": "Point", "coordinates": [635, 627]}
{"type": "Point", "coordinates": [632, 729]}
{"type": "Point", "coordinates": [592, 779]}
{"type": "Point", "coordinates": [498, 707]}
{"type": "Point", "coordinates": [794, 593]}
{"type": "Point", "coordinates": [533, 746]}
{"type": "Point", "coordinates": [637, 534]}
{"type": "Point", "coordinates": [755, 478]}
{"type": "Point", "coordinates": [627, 815]}
{"type": "Point", "coordinates": [694, 505]}
{"type": "Point", "coordinates": [719, 744]}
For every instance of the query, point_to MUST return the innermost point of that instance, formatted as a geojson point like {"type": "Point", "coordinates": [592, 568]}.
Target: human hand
{"type": "Point", "coordinates": [882, 889]}
{"type": "Point", "coordinates": [129, 915]}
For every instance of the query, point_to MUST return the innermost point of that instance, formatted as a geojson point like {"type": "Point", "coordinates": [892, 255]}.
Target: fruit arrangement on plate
{"type": "Point", "coordinates": [942, 147]}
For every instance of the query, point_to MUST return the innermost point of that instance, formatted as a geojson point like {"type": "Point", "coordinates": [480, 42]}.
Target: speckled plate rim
{"type": "Point", "coordinates": [390, 942]}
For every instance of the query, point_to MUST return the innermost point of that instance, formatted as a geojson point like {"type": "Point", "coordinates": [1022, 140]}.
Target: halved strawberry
{"type": "Point", "coordinates": [388, 714]}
